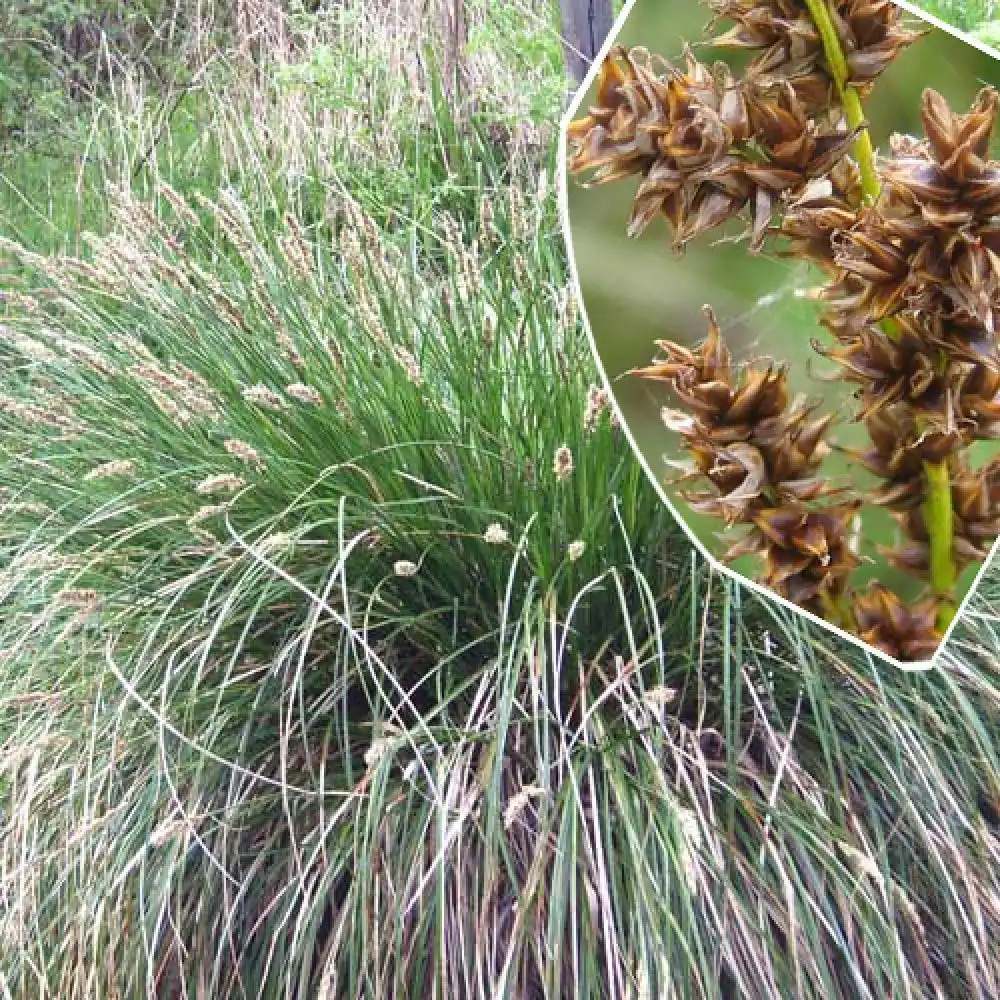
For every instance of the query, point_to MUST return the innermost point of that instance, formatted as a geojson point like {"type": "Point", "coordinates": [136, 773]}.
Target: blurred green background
{"type": "Point", "coordinates": [636, 291]}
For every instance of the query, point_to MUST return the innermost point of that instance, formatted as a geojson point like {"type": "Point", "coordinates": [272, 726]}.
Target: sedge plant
{"type": "Point", "coordinates": [906, 242]}
{"type": "Point", "coordinates": [345, 651]}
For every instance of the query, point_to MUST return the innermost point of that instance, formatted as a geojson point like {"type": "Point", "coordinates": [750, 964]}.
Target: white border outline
{"type": "Point", "coordinates": [562, 175]}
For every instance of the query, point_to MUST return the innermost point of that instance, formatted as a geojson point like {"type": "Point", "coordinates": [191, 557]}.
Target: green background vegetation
{"type": "Point", "coordinates": [979, 18]}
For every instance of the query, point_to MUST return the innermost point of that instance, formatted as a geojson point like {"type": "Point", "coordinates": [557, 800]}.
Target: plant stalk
{"type": "Point", "coordinates": [864, 154]}
{"type": "Point", "coordinates": [939, 519]}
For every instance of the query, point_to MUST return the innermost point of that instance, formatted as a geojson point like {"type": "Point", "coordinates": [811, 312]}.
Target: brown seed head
{"type": "Point", "coordinates": [789, 46]}
{"type": "Point", "coordinates": [906, 632]}
{"type": "Point", "coordinates": [707, 148]}
{"type": "Point", "coordinates": [806, 552]}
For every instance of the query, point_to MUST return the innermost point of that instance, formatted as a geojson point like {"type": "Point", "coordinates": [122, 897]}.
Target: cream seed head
{"type": "Point", "coordinates": [29, 347]}
{"type": "Point", "coordinates": [111, 470]}
{"type": "Point", "coordinates": [304, 393]}
{"type": "Point", "coordinates": [403, 567]}
{"type": "Point", "coordinates": [260, 395]}
{"type": "Point", "coordinates": [222, 483]}
{"type": "Point", "coordinates": [27, 507]}
{"type": "Point", "coordinates": [201, 405]}
{"type": "Point", "coordinates": [169, 406]}
{"type": "Point", "coordinates": [658, 697]}
{"type": "Point", "coordinates": [288, 349]}
{"type": "Point", "coordinates": [31, 413]}
{"type": "Point", "coordinates": [181, 208]}
{"type": "Point", "coordinates": [496, 534]}
{"type": "Point", "coordinates": [409, 363]}
{"type": "Point", "coordinates": [519, 802]}
{"type": "Point", "coordinates": [597, 403]}
{"type": "Point", "coordinates": [575, 550]}
{"type": "Point", "coordinates": [244, 452]}
{"type": "Point", "coordinates": [188, 375]}
{"type": "Point", "coordinates": [562, 463]}
{"type": "Point", "coordinates": [297, 255]}
{"type": "Point", "coordinates": [151, 375]}
{"type": "Point", "coordinates": [206, 512]}
{"type": "Point", "coordinates": [77, 597]}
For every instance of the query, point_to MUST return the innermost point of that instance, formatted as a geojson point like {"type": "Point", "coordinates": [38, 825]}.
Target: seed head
{"type": "Point", "coordinates": [409, 363]}
{"type": "Point", "coordinates": [928, 247]}
{"type": "Point", "coordinates": [221, 483]}
{"type": "Point", "coordinates": [788, 45]}
{"type": "Point", "coordinates": [243, 451]}
{"type": "Point", "coordinates": [260, 395]}
{"type": "Point", "coordinates": [75, 597]}
{"type": "Point", "coordinates": [29, 347]}
{"type": "Point", "coordinates": [562, 463]}
{"type": "Point", "coordinates": [597, 403]}
{"type": "Point", "coordinates": [304, 393]}
{"type": "Point", "coordinates": [109, 470]}
{"type": "Point", "coordinates": [403, 567]}
{"type": "Point", "coordinates": [706, 147]}
{"type": "Point", "coordinates": [906, 632]}
{"type": "Point", "coordinates": [739, 428]}
{"type": "Point", "coordinates": [806, 554]}
{"type": "Point", "coordinates": [519, 802]}
{"type": "Point", "coordinates": [760, 456]}
{"type": "Point", "coordinates": [206, 513]}
{"type": "Point", "coordinates": [288, 349]}
{"type": "Point", "coordinates": [496, 534]}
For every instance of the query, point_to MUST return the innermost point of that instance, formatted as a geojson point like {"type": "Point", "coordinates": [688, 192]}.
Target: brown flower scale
{"type": "Point", "coordinates": [760, 455]}
{"type": "Point", "coordinates": [707, 148]}
{"type": "Point", "coordinates": [904, 632]}
{"type": "Point", "coordinates": [789, 46]}
{"type": "Point", "coordinates": [911, 249]}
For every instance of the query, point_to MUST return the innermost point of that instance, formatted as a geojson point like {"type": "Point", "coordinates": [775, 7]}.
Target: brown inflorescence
{"type": "Point", "coordinates": [707, 148]}
{"type": "Point", "coordinates": [905, 632]}
{"type": "Point", "coordinates": [928, 247]}
{"type": "Point", "coordinates": [911, 250]}
{"type": "Point", "coordinates": [759, 455]}
{"type": "Point", "coordinates": [789, 47]}
{"type": "Point", "coordinates": [915, 307]}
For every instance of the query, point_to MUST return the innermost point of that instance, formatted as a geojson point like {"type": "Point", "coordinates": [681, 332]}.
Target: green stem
{"type": "Point", "coordinates": [939, 519]}
{"type": "Point", "coordinates": [864, 154]}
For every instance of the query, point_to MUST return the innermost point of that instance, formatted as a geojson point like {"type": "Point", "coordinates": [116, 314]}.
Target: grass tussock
{"type": "Point", "coordinates": [346, 652]}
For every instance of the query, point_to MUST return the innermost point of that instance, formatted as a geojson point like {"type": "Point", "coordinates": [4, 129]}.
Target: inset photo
{"type": "Point", "coordinates": [784, 220]}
